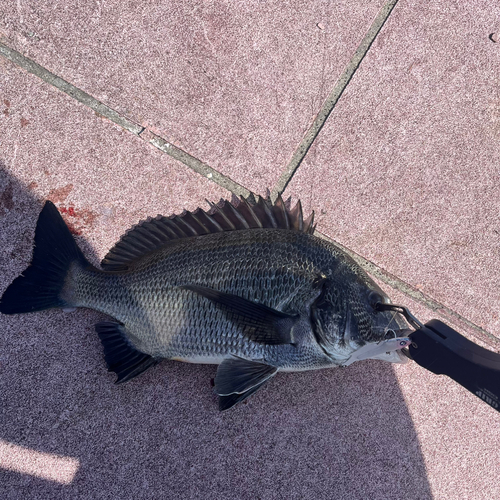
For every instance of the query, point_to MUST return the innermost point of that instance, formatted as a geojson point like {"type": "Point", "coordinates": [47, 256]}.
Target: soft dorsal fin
{"type": "Point", "coordinates": [239, 213]}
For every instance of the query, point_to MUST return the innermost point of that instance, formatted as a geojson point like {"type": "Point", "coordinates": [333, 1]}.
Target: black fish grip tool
{"type": "Point", "coordinates": [443, 351]}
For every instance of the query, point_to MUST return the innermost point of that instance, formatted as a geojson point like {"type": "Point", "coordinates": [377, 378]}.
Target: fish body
{"type": "Point", "coordinates": [245, 285]}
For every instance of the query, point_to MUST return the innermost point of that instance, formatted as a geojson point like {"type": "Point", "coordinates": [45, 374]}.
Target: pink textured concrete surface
{"type": "Point", "coordinates": [235, 84]}
{"type": "Point", "coordinates": [102, 178]}
{"type": "Point", "coordinates": [370, 431]}
{"type": "Point", "coordinates": [406, 170]}
{"type": "Point", "coordinates": [459, 435]}
{"type": "Point", "coordinates": [68, 432]}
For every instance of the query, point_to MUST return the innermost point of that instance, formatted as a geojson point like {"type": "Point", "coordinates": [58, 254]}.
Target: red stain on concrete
{"type": "Point", "coordinates": [77, 219]}
{"type": "Point", "coordinates": [7, 105]}
{"type": "Point", "coordinates": [24, 122]}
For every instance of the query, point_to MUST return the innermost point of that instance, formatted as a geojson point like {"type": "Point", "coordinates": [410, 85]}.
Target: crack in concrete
{"type": "Point", "coordinates": [32, 67]}
{"type": "Point", "coordinates": [91, 102]}
{"type": "Point", "coordinates": [196, 165]}
{"type": "Point", "coordinates": [333, 98]}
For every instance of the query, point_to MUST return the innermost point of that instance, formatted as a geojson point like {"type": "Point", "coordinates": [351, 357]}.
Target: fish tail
{"type": "Point", "coordinates": [41, 285]}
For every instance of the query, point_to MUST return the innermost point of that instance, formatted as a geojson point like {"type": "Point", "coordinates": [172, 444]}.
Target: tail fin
{"type": "Point", "coordinates": [40, 285]}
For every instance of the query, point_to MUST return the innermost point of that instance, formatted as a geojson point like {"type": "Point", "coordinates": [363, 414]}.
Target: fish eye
{"type": "Point", "coordinates": [374, 298]}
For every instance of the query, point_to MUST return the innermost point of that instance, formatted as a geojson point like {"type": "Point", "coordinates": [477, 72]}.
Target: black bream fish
{"type": "Point", "coordinates": [244, 285]}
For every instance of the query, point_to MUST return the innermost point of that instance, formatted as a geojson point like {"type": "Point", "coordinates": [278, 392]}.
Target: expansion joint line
{"type": "Point", "coordinates": [91, 102]}
{"type": "Point", "coordinates": [333, 98]}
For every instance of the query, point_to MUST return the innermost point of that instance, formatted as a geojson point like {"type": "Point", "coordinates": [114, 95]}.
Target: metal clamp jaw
{"type": "Point", "coordinates": [440, 349]}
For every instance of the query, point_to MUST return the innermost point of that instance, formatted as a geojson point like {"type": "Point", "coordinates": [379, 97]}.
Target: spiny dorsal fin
{"type": "Point", "coordinates": [239, 213]}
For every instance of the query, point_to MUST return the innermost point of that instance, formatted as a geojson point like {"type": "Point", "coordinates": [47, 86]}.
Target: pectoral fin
{"type": "Point", "coordinates": [241, 377]}
{"type": "Point", "coordinates": [257, 322]}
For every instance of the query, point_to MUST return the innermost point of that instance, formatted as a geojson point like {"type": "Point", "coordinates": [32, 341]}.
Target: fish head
{"type": "Point", "coordinates": [345, 316]}
{"type": "Point", "coordinates": [382, 325]}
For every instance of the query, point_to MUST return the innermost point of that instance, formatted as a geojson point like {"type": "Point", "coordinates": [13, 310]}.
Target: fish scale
{"type": "Point", "coordinates": [171, 322]}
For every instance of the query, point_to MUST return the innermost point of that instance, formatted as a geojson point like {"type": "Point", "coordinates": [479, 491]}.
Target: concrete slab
{"type": "Point", "coordinates": [102, 177]}
{"type": "Point", "coordinates": [406, 170]}
{"type": "Point", "coordinates": [235, 84]}
{"type": "Point", "coordinates": [457, 432]}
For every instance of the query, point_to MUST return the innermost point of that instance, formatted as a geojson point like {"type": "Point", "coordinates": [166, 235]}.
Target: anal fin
{"type": "Point", "coordinates": [119, 353]}
{"type": "Point", "coordinates": [226, 402]}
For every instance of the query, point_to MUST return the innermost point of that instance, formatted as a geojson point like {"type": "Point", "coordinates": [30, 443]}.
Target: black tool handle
{"type": "Point", "coordinates": [442, 350]}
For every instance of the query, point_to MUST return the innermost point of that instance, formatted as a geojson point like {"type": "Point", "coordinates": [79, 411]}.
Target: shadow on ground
{"type": "Point", "coordinates": [342, 433]}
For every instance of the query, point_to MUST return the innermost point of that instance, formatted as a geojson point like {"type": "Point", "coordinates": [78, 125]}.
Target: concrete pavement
{"type": "Point", "coordinates": [119, 111]}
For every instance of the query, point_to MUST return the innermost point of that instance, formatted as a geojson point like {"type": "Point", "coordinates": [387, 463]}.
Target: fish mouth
{"type": "Point", "coordinates": [400, 356]}
{"type": "Point", "coordinates": [391, 324]}
{"type": "Point", "coordinates": [397, 357]}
